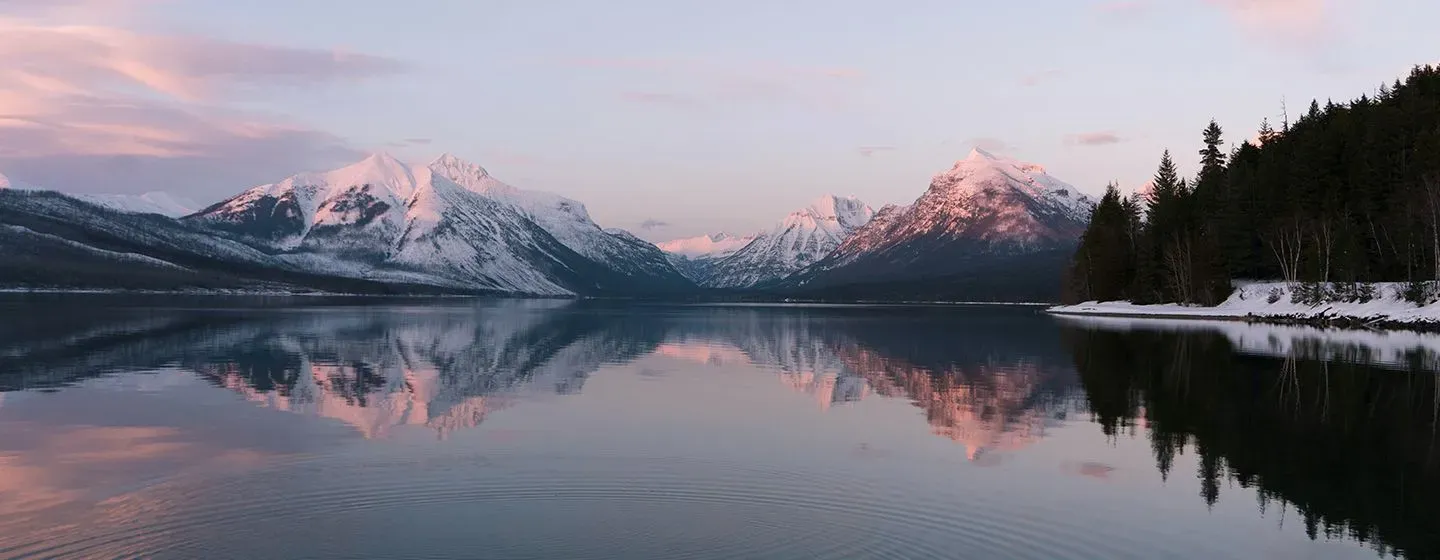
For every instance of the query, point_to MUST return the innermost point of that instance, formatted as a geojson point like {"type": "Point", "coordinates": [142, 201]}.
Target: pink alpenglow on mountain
{"type": "Point", "coordinates": [802, 238]}
{"type": "Point", "coordinates": [983, 210]}
{"type": "Point", "coordinates": [706, 246]}
{"type": "Point", "coordinates": [448, 223]}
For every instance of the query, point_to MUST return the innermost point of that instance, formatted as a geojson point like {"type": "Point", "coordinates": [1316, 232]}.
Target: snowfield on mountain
{"type": "Point", "coordinates": [984, 212]}
{"type": "Point", "coordinates": [802, 238]}
{"type": "Point", "coordinates": [448, 221]}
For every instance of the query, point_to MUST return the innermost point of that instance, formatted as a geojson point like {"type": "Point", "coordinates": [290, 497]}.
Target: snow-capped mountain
{"type": "Point", "coordinates": [8, 183]}
{"type": "Point", "coordinates": [985, 206]}
{"type": "Point", "coordinates": [56, 241]}
{"type": "Point", "coordinates": [569, 222]}
{"type": "Point", "coordinates": [448, 222]}
{"type": "Point", "coordinates": [1145, 192]}
{"type": "Point", "coordinates": [155, 202]}
{"type": "Point", "coordinates": [714, 245]}
{"type": "Point", "coordinates": [802, 238]}
{"type": "Point", "coordinates": [696, 257]}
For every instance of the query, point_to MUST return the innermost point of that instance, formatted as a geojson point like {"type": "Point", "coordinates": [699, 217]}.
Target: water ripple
{"type": "Point", "coordinates": [571, 507]}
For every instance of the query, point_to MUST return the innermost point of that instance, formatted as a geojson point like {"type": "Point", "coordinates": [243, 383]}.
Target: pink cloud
{"type": "Point", "coordinates": [1286, 22]}
{"type": "Point", "coordinates": [693, 83]}
{"type": "Point", "coordinates": [988, 144]}
{"type": "Point", "coordinates": [1125, 8]}
{"type": "Point", "coordinates": [713, 68]}
{"type": "Point", "coordinates": [1037, 78]}
{"type": "Point", "coordinates": [660, 98]}
{"type": "Point", "coordinates": [93, 103]}
{"type": "Point", "coordinates": [1104, 138]}
{"type": "Point", "coordinates": [82, 58]}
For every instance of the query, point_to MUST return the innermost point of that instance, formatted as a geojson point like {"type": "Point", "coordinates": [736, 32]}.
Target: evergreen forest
{"type": "Point", "coordinates": [1345, 195]}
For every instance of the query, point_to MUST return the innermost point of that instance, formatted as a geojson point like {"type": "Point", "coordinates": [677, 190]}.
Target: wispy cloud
{"type": "Point", "coordinates": [868, 151]}
{"type": "Point", "coordinates": [1104, 138]}
{"type": "Point", "coordinates": [716, 68]}
{"type": "Point", "coordinates": [1123, 8]}
{"type": "Point", "coordinates": [660, 98]}
{"type": "Point", "coordinates": [85, 103]}
{"type": "Point", "coordinates": [988, 144]}
{"type": "Point", "coordinates": [692, 83]}
{"type": "Point", "coordinates": [653, 224]}
{"type": "Point", "coordinates": [1040, 77]}
{"type": "Point", "coordinates": [1282, 22]}
{"type": "Point", "coordinates": [409, 143]}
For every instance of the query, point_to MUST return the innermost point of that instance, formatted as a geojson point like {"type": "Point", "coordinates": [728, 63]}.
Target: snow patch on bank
{"type": "Point", "coordinates": [1277, 300]}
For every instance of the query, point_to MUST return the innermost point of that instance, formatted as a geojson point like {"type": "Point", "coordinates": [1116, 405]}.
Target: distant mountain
{"type": "Point", "coordinates": [696, 257]}
{"type": "Point", "coordinates": [155, 202]}
{"type": "Point", "coordinates": [983, 230]}
{"type": "Point", "coordinates": [989, 228]}
{"type": "Point", "coordinates": [8, 183]}
{"type": "Point", "coordinates": [714, 245]}
{"type": "Point", "coordinates": [448, 223]}
{"type": "Point", "coordinates": [50, 240]}
{"type": "Point", "coordinates": [802, 238]}
{"type": "Point", "coordinates": [642, 265]}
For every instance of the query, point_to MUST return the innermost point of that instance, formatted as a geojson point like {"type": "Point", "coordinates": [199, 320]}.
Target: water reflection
{"type": "Point", "coordinates": [1350, 446]}
{"type": "Point", "coordinates": [447, 367]}
{"type": "Point", "coordinates": [1335, 431]}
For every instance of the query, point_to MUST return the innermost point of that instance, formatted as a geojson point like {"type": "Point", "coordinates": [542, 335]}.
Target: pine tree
{"type": "Point", "coordinates": [1212, 158]}
{"type": "Point", "coordinates": [1349, 192]}
{"type": "Point", "coordinates": [1104, 266]}
{"type": "Point", "coordinates": [1213, 211]}
{"type": "Point", "coordinates": [1267, 134]}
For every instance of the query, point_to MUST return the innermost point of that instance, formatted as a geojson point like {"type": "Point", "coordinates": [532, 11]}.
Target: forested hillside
{"type": "Point", "coordinates": [1344, 194]}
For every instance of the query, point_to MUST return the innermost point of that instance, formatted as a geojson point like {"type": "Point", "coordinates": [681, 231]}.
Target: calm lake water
{"type": "Point", "coordinates": [165, 427]}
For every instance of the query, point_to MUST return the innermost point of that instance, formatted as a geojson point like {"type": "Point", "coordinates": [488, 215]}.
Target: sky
{"type": "Point", "coordinates": [668, 118]}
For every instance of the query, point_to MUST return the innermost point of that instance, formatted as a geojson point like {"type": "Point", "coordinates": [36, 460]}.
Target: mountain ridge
{"type": "Point", "coordinates": [451, 225]}
{"type": "Point", "coordinates": [985, 207]}
{"type": "Point", "coordinates": [800, 239]}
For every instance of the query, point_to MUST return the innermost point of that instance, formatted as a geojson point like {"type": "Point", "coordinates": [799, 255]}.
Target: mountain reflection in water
{"type": "Point", "coordinates": [1334, 431]}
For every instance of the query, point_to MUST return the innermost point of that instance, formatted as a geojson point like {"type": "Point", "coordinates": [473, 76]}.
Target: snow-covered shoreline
{"type": "Point", "coordinates": [1396, 349]}
{"type": "Point", "coordinates": [1276, 302]}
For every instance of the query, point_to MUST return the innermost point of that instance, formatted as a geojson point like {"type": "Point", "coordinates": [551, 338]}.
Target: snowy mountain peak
{"type": "Point", "coordinates": [983, 172]}
{"type": "Point", "coordinates": [802, 238]}
{"type": "Point", "coordinates": [4, 181]}
{"type": "Point", "coordinates": [379, 168]}
{"type": "Point", "coordinates": [458, 166]}
{"type": "Point", "coordinates": [714, 245]}
{"type": "Point", "coordinates": [832, 213]}
{"type": "Point", "coordinates": [985, 207]}
{"type": "Point", "coordinates": [978, 154]}
{"type": "Point", "coordinates": [1146, 191]}
{"type": "Point", "coordinates": [473, 177]}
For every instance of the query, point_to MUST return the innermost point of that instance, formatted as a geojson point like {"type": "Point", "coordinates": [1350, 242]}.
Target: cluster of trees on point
{"type": "Point", "coordinates": [1348, 193]}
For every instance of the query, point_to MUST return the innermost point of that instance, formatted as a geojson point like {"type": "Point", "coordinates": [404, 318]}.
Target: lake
{"type": "Point", "coordinates": [173, 427]}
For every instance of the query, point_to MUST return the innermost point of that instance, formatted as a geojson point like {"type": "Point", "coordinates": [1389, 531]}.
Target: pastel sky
{"type": "Point", "coordinates": [669, 118]}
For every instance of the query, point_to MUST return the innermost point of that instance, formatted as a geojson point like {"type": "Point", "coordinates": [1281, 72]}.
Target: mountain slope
{"type": "Point", "coordinates": [696, 257]}
{"type": "Point", "coordinates": [382, 219]}
{"type": "Point", "coordinates": [643, 265]}
{"type": "Point", "coordinates": [154, 202]}
{"type": "Point", "coordinates": [802, 238]}
{"type": "Point", "coordinates": [714, 245]}
{"type": "Point", "coordinates": [984, 212]}
{"type": "Point", "coordinates": [55, 241]}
